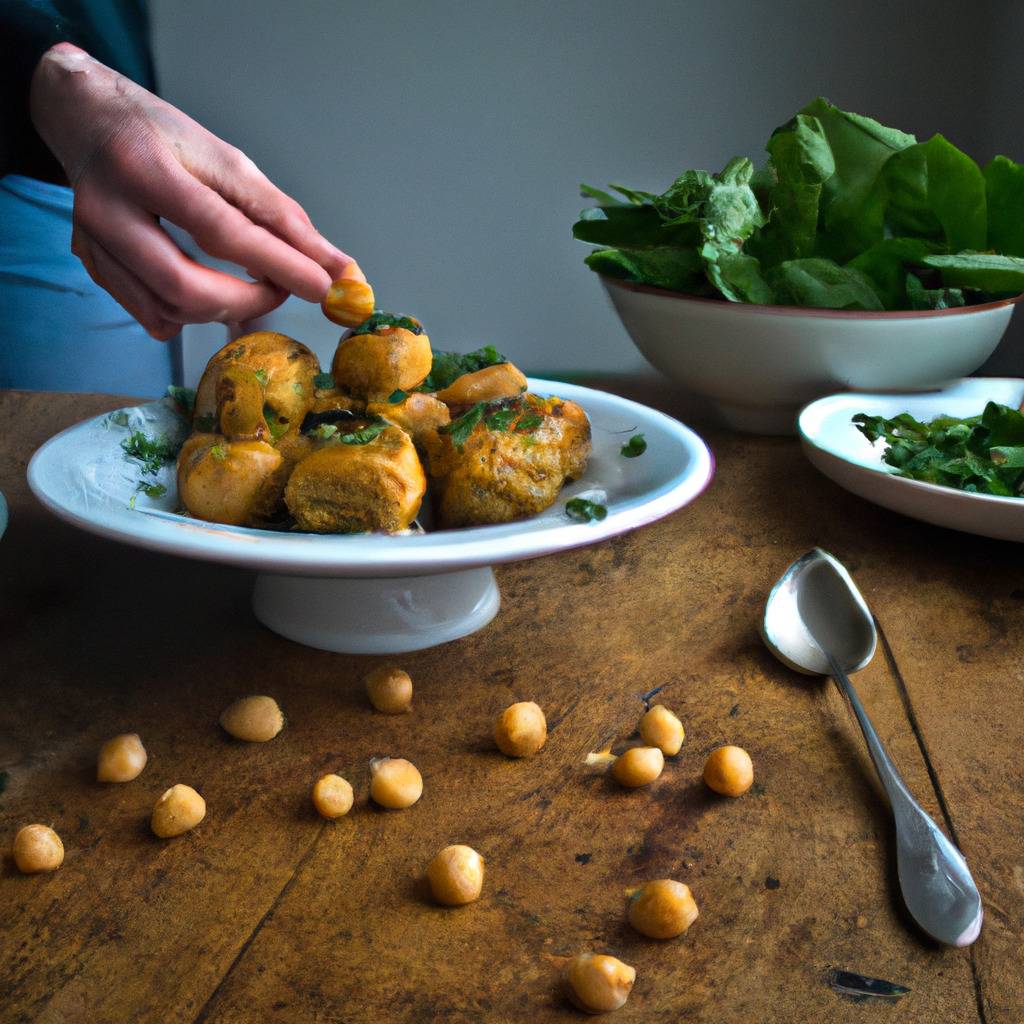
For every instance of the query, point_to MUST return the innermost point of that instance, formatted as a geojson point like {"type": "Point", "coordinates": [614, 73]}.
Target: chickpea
{"type": "Point", "coordinates": [395, 782]}
{"type": "Point", "coordinates": [255, 719]}
{"type": "Point", "coordinates": [456, 875]}
{"type": "Point", "coordinates": [638, 766]}
{"type": "Point", "coordinates": [121, 759]}
{"type": "Point", "coordinates": [660, 728]}
{"type": "Point", "coordinates": [37, 848]}
{"type": "Point", "coordinates": [521, 729]}
{"type": "Point", "coordinates": [349, 301]}
{"type": "Point", "coordinates": [662, 909]}
{"type": "Point", "coordinates": [389, 689]}
{"type": "Point", "coordinates": [332, 796]}
{"type": "Point", "coordinates": [180, 809]}
{"type": "Point", "coordinates": [729, 771]}
{"type": "Point", "coordinates": [598, 983]}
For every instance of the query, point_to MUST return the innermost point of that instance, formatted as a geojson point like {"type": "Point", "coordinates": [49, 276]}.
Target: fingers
{"type": "Point", "coordinates": [168, 286]}
{"type": "Point", "coordinates": [133, 296]}
{"type": "Point", "coordinates": [244, 185]}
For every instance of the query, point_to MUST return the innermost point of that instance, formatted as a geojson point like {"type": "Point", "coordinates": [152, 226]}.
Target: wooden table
{"type": "Point", "coordinates": [267, 914]}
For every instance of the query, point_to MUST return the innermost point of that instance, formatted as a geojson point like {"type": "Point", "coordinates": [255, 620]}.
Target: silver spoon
{"type": "Point", "coordinates": [817, 622]}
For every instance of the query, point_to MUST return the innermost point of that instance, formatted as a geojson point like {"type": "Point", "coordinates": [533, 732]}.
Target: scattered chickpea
{"type": "Point", "coordinates": [660, 728]}
{"type": "Point", "coordinates": [395, 782]}
{"type": "Point", "coordinates": [255, 719]}
{"type": "Point", "coordinates": [638, 766]}
{"type": "Point", "coordinates": [332, 796]}
{"type": "Point", "coordinates": [598, 983]}
{"type": "Point", "coordinates": [456, 875]}
{"type": "Point", "coordinates": [37, 848]}
{"type": "Point", "coordinates": [729, 771]}
{"type": "Point", "coordinates": [662, 909]}
{"type": "Point", "coordinates": [181, 808]}
{"type": "Point", "coordinates": [521, 729]}
{"type": "Point", "coordinates": [349, 301]}
{"type": "Point", "coordinates": [121, 759]}
{"type": "Point", "coordinates": [389, 689]}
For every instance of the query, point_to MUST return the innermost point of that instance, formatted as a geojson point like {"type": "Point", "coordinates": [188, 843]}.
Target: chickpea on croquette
{"type": "Point", "coordinates": [332, 796]}
{"type": "Point", "coordinates": [394, 782]}
{"type": "Point", "coordinates": [254, 719]}
{"type": "Point", "coordinates": [598, 983]}
{"type": "Point", "coordinates": [121, 759]}
{"type": "Point", "coordinates": [37, 848]}
{"type": "Point", "coordinates": [456, 875]}
{"type": "Point", "coordinates": [660, 728]}
{"type": "Point", "coordinates": [638, 766]}
{"type": "Point", "coordinates": [729, 771]}
{"type": "Point", "coordinates": [178, 811]}
{"type": "Point", "coordinates": [389, 689]}
{"type": "Point", "coordinates": [662, 909]}
{"type": "Point", "coordinates": [521, 729]}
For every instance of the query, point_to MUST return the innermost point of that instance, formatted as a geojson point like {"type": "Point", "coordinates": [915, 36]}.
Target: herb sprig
{"type": "Point", "coordinates": [150, 452]}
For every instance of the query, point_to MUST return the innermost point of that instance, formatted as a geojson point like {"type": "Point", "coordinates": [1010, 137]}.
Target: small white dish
{"type": "Point", "coordinates": [837, 448]}
{"type": "Point", "coordinates": [758, 365]}
{"type": "Point", "coordinates": [369, 593]}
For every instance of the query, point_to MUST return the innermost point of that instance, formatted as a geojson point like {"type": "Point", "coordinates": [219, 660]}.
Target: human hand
{"type": "Point", "coordinates": [131, 159]}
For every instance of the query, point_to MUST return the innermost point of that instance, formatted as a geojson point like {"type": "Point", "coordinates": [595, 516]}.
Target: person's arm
{"type": "Point", "coordinates": [131, 159]}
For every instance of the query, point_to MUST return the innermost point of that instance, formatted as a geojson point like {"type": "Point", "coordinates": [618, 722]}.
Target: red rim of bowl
{"type": "Point", "coordinates": [840, 314]}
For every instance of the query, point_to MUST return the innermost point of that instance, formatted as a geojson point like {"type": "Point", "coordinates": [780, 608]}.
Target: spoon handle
{"type": "Point", "coordinates": [936, 882]}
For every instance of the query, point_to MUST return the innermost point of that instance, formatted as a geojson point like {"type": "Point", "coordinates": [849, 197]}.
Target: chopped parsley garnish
{"type": "Point", "coordinates": [379, 319]}
{"type": "Point", "coordinates": [634, 447]}
{"type": "Point", "coordinates": [460, 429]}
{"type": "Point", "coordinates": [981, 454]}
{"type": "Point", "coordinates": [501, 420]}
{"type": "Point", "coordinates": [261, 376]}
{"type": "Point", "coordinates": [151, 490]}
{"type": "Point", "coordinates": [585, 511]}
{"type": "Point", "coordinates": [323, 382]}
{"type": "Point", "coordinates": [324, 432]}
{"type": "Point", "coordinates": [447, 367]}
{"type": "Point", "coordinates": [397, 396]}
{"type": "Point", "coordinates": [185, 397]}
{"type": "Point", "coordinates": [151, 452]}
{"type": "Point", "coordinates": [529, 423]}
{"type": "Point", "coordinates": [364, 436]}
{"type": "Point", "coordinates": [278, 427]}
{"type": "Point", "coordinates": [219, 452]}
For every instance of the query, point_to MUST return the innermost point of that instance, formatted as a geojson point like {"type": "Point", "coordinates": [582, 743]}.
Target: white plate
{"type": "Point", "coordinates": [83, 476]}
{"type": "Point", "coordinates": [836, 447]}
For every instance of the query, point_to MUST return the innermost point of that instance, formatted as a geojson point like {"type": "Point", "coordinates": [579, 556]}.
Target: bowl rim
{"type": "Point", "coordinates": [809, 311]}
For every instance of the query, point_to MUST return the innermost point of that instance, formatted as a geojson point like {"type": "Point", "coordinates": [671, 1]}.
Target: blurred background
{"type": "Point", "coordinates": [442, 143]}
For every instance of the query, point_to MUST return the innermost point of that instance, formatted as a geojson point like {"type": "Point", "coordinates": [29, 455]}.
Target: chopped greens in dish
{"type": "Point", "coordinates": [980, 454]}
{"type": "Point", "coordinates": [844, 214]}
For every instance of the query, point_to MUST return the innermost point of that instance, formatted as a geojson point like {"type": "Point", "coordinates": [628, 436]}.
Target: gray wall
{"type": "Point", "coordinates": [442, 142]}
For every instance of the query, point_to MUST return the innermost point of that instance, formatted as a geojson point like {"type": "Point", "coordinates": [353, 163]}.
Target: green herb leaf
{"type": "Point", "coordinates": [298, 388]}
{"type": "Point", "coordinates": [365, 435]}
{"type": "Point", "coordinates": [634, 447]}
{"type": "Point", "coordinates": [823, 284]}
{"type": "Point", "coordinates": [529, 423]}
{"type": "Point", "coordinates": [981, 454]}
{"type": "Point", "coordinates": [151, 490]}
{"type": "Point", "coordinates": [324, 432]}
{"type": "Point", "coordinates": [185, 397]}
{"type": "Point", "coordinates": [379, 319]}
{"type": "Point", "coordinates": [278, 427]}
{"type": "Point", "coordinates": [150, 452]}
{"type": "Point", "coordinates": [460, 429]}
{"type": "Point", "coordinates": [1004, 200]}
{"type": "Point", "coordinates": [500, 420]}
{"type": "Point", "coordinates": [447, 367]}
{"type": "Point", "coordinates": [397, 396]}
{"type": "Point", "coordinates": [218, 452]}
{"type": "Point", "coordinates": [323, 382]}
{"type": "Point", "coordinates": [261, 376]}
{"type": "Point", "coordinates": [585, 511]}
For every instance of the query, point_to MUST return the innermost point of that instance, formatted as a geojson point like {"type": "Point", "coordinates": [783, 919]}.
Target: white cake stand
{"type": "Point", "coordinates": [370, 593]}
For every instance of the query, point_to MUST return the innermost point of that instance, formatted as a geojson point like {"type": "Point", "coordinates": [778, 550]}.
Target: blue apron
{"type": "Point", "coordinates": [58, 330]}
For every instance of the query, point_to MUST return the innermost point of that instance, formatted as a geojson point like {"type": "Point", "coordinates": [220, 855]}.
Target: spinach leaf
{"type": "Point", "coordinates": [1004, 193]}
{"type": "Point", "coordinates": [460, 429]}
{"type": "Point", "coordinates": [987, 272]}
{"type": "Point", "coordinates": [447, 367]}
{"type": "Point", "coordinates": [665, 267]}
{"type": "Point", "coordinates": [824, 284]}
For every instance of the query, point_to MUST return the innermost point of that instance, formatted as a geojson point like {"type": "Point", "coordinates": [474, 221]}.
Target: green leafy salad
{"type": "Point", "coordinates": [982, 454]}
{"type": "Point", "coordinates": [844, 214]}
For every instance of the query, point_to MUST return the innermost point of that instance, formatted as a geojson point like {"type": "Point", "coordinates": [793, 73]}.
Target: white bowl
{"type": "Point", "coordinates": [372, 593]}
{"type": "Point", "coordinates": [837, 448]}
{"type": "Point", "coordinates": [759, 365]}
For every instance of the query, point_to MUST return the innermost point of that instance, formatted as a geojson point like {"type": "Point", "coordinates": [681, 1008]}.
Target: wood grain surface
{"type": "Point", "coordinates": [265, 913]}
